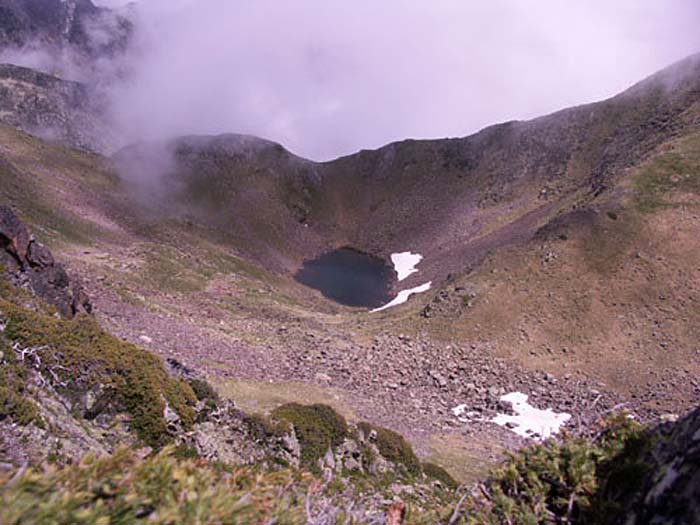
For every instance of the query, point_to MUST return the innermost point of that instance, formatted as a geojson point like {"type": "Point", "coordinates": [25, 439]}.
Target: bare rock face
{"type": "Point", "coordinates": [32, 266]}
{"type": "Point", "coordinates": [76, 24]}
{"type": "Point", "coordinates": [53, 109]}
{"type": "Point", "coordinates": [671, 490]}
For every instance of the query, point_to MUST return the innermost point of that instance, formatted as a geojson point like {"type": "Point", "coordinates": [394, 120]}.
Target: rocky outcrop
{"type": "Point", "coordinates": [56, 110]}
{"type": "Point", "coordinates": [32, 266]}
{"type": "Point", "coordinates": [670, 492]}
{"type": "Point", "coordinates": [57, 40]}
{"type": "Point", "coordinates": [77, 25]}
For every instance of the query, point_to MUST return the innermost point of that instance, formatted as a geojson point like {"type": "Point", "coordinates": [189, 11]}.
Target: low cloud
{"type": "Point", "coordinates": [327, 78]}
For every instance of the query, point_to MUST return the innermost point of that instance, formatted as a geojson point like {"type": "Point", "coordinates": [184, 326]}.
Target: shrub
{"type": "Point", "coordinates": [437, 472]}
{"type": "Point", "coordinates": [317, 427]}
{"type": "Point", "coordinates": [203, 390]}
{"type": "Point", "coordinates": [566, 481]}
{"type": "Point", "coordinates": [393, 447]}
{"type": "Point", "coordinates": [262, 428]}
{"type": "Point", "coordinates": [13, 377]}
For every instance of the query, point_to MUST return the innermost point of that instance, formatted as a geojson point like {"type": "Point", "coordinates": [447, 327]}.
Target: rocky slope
{"type": "Point", "coordinates": [73, 50]}
{"type": "Point", "coordinates": [56, 110]}
{"type": "Point", "coordinates": [458, 197]}
{"type": "Point", "coordinates": [68, 389]}
{"type": "Point", "coordinates": [58, 402]}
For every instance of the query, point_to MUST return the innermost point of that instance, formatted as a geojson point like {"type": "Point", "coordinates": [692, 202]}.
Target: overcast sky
{"type": "Point", "coordinates": [327, 78]}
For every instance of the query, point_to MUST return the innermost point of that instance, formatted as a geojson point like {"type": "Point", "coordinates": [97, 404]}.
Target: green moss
{"type": "Point", "coordinates": [317, 427]}
{"type": "Point", "coordinates": [437, 472]}
{"type": "Point", "coordinates": [85, 357]}
{"type": "Point", "coordinates": [393, 447]}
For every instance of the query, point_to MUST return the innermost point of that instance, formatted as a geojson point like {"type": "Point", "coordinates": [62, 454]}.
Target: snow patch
{"type": "Point", "coordinates": [528, 421]}
{"type": "Point", "coordinates": [403, 296]}
{"type": "Point", "coordinates": [462, 413]}
{"type": "Point", "coordinates": [405, 263]}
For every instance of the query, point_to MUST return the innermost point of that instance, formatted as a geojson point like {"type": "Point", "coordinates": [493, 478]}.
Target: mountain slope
{"type": "Point", "coordinates": [562, 252]}
{"type": "Point", "coordinates": [456, 197]}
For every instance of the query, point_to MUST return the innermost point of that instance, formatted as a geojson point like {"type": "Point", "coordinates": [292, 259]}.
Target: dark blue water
{"type": "Point", "coordinates": [349, 277]}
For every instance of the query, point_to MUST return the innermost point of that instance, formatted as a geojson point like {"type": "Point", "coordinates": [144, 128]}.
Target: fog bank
{"type": "Point", "coordinates": [326, 78]}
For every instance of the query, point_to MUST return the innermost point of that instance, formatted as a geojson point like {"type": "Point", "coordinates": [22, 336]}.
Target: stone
{"type": "Point", "coordinates": [39, 255]}
{"type": "Point", "coordinates": [324, 378]}
{"type": "Point", "coordinates": [14, 236]}
{"type": "Point", "coordinates": [36, 267]}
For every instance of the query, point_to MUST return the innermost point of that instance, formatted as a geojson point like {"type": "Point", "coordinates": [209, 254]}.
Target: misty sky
{"type": "Point", "coordinates": [326, 78]}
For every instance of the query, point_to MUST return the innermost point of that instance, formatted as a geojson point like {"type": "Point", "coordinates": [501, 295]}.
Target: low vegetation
{"type": "Point", "coordinates": [80, 360]}
{"type": "Point", "coordinates": [161, 489]}
{"type": "Point", "coordinates": [393, 447]}
{"type": "Point", "coordinates": [672, 172]}
{"type": "Point", "coordinates": [318, 429]}
{"type": "Point", "coordinates": [436, 472]}
{"type": "Point", "coordinates": [589, 481]}
{"type": "Point", "coordinates": [13, 375]}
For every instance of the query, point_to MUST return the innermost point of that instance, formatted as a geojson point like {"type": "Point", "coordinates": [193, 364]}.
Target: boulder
{"type": "Point", "coordinates": [14, 236]}
{"type": "Point", "coordinates": [32, 265]}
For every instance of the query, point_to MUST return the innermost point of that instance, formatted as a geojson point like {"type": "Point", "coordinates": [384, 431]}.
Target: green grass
{"type": "Point", "coordinates": [125, 490]}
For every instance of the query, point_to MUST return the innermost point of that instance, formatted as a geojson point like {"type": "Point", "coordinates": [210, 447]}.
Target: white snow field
{"type": "Point", "coordinates": [405, 263]}
{"type": "Point", "coordinates": [528, 421]}
{"type": "Point", "coordinates": [403, 296]}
